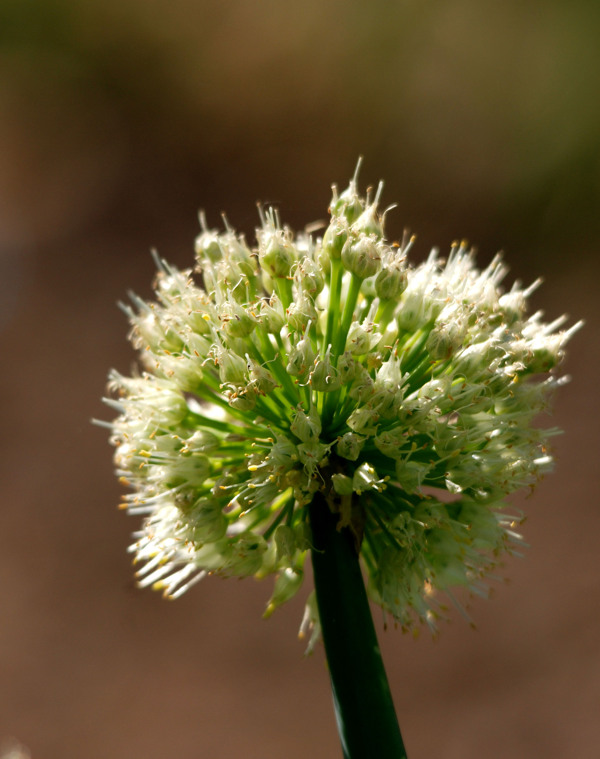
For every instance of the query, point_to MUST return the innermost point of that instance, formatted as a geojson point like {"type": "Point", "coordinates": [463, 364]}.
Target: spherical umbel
{"type": "Point", "coordinates": [405, 396]}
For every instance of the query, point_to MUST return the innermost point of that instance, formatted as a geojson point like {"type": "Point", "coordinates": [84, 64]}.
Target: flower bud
{"type": "Point", "coordinates": [237, 321]}
{"type": "Point", "coordinates": [285, 541]}
{"type": "Point", "coordinates": [390, 373]}
{"type": "Point", "coordinates": [231, 281]}
{"type": "Point", "coordinates": [190, 469]}
{"type": "Point", "coordinates": [387, 401]}
{"type": "Point", "coordinates": [369, 222]}
{"type": "Point", "coordinates": [445, 339]}
{"type": "Point", "coordinates": [203, 441]}
{"type": "Point", "coordinates": [237, 252]}
{"type": "Point", "coordinates": [361, 256]}
{"type": "Point", "coordinates": [391, 281]}
{"type": "Point", "coordinates": [541, 354]}
{"type": "Point", "coordinates": [247, 555]}
{"type": "Point", "coordinates": [208, 244]}
{"type": "Point", "coordinates": [283, 453]}
{"type": "Point", "coordinates": [275, 252]}
{"type": "Point", "coordinates": [322, 258]}
{"type": "Point", "coordinates": [300, 312]}
{"type": "Point", "coordinates": [287, 584]}
{"type": "Point", "coordinates": [361, 388]}
{"type": "Point", "coordinates": [232, 368]}
{"type": "Point", "coordinates": [206, 522]}
{"type": "Point", "coordinates": [261, 378]}
{"type": "Point", "coordinates": [349, 204]}
{"type": "Point", "coordinates": [324, 376]}
{"type": "Point", "coordinates": [300, 358]}
{"type": "Point", "coordinates": [271, 315]}
{"type": "Point", "coordinates": [350, 445]}
{"type": "Point", "coordinates": [342, 484]}
{"type": "Point", "coordinates": [242, 398]}
{"type": "Point", "coordinates": [306, 427]}
{"type": "Point", "coordinates": [334, 238]}
{"type": "Point", "coordinates": [363, 420]}
{"type": "Point", "coordinates": [478, 358]}
{"type": "Point", "coordinates": [391, 442]}
{"type": "Point", "coordinates": [361, 339]}
{"type": "Point", "coordinates": [411, 314]}
{"type": "Point", "coordinates": [309, 277]}
{"type": "Point", "coordinates": [410, 474]}
{"type": "Point", "coordinates": [312, 455]}
{"type": "Point", "coordinates": [346, 367]}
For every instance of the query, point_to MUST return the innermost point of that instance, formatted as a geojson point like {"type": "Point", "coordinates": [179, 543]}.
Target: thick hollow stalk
{"type": "Point", "coordinates": [365, 713]}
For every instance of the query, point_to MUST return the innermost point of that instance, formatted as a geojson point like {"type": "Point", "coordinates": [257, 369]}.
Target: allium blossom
{"type": "Point", "coordinates": [405, 394]}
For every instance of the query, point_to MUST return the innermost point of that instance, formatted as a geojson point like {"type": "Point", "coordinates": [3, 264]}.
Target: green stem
{"type": "Point", "coordinates": [339, 343]}
{"type": "Point", "coordinates": [365, 713]}
{"type": "Point", "coordinates": [347, 316]}
{"type": "Point", "coordinates": [334, 301]}
{"type": "Point", "coordinates": [283, 285]}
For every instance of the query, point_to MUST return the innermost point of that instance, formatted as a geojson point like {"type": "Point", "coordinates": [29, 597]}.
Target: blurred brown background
{"type": "Point", "coordinates": [118, 120]}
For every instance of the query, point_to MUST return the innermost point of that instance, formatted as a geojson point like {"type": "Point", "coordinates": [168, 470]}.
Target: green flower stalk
{"type": "Point", "coordinates": [326, 372]}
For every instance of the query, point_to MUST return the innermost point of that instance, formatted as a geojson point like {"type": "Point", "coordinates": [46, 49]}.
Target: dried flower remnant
{"type": "Point", "coordinates": [406, 395]}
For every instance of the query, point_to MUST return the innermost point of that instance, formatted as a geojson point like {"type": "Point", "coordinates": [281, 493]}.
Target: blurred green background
{"type": "Point", "coordinates": [118, 121]}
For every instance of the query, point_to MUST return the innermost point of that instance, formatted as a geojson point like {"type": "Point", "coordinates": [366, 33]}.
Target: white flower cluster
{"type": "Point", "coordinates": [407, 395]}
